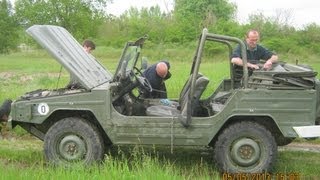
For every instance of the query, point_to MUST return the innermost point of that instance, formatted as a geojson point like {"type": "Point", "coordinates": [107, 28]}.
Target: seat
{"type": "Point", "coordinates": [186, 87]}
{"type": "Point", "coordinates": [181, 109]}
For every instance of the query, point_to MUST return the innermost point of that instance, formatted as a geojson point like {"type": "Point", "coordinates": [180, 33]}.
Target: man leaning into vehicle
{"type": "Point", "coordinates": [156, 75]}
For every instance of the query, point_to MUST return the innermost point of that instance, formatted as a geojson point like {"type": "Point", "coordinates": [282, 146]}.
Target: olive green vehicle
{"type": "Point", "coordinates": [244, 120]}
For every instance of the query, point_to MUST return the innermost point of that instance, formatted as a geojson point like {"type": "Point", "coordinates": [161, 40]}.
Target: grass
{"type": "Point", "coordinates": [309, 167]}
{"type": "Point", "coordinates": [26, 71]}
{"type": "Point", "coordinates": [25, 155]}
{"type": "Point", "coordinates": [21, 157]}
{"type": "Point", "coordinates": [130, 162]}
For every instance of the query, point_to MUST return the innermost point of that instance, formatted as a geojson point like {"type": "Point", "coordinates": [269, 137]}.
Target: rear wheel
{"type": "Point", "coordinates": [245, 147]}
{"type": "Point", "coordinates": [73, 140]}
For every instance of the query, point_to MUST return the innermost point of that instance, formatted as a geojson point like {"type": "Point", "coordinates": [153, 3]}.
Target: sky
{"type": "Point", "coordinates": [298, 13]}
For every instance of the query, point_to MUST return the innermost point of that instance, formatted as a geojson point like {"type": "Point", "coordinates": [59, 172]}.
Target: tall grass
{"type": "Point", "coordinates": [130, 162]}
{"type": "Point", "coordinates": [23, 159]}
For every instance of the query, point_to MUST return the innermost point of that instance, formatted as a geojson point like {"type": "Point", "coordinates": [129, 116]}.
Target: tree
{"type": "Point", "coordinates": [135, 23]}
{"type": "Point", "coordinates": [8, 26]}
{"type": "Point", "coordinates": [80, 17]}
{"type": "Point", "coordinates": [192, 16]}
{"type": "Point", "coordinates": [310, 37]}
{"type": "Point", "coordinates": [276, 33]}
{"type": "Point", "coordinates": [149, 21]}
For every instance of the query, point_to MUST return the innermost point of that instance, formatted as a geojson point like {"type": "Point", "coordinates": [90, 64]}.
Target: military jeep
{"type": "Point", "coordinates": [244, 120]}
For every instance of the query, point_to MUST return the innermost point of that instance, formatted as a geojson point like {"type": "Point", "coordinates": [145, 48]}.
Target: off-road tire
{"type": "Point", "coordinates": [73, 140]}
{"type": "Point", "coordinates": [245, 147]}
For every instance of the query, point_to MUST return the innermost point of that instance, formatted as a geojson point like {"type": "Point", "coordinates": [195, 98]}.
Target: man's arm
{"type": "Point", "coordinates": [267, 55]}
{"type": "Point", "coordinates": [238, 61]}
{"type": "Point", "coordinates": [268, 64]}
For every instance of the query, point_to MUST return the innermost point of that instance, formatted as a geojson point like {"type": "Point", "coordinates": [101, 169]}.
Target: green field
{"type": "Point", "coordinates": [28, 71]}
{"type": "Point", "coordinates": [21, 156]}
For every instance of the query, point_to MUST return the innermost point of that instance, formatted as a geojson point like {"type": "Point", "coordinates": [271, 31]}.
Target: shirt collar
{"type": "Point", "coordinates": [248, 47]}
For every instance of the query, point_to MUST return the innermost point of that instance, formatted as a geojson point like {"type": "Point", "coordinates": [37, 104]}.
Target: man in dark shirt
{"type": "Point", "coordinates": [255, 53]}
{"type": "Point", "coordinates": [156, 75]}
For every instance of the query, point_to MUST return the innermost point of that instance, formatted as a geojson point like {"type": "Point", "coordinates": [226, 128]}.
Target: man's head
{"type": "Point", "coordinates": [252, 38]}
{"type": "Point", "coordinates": [88, 46]}
{"type": "Point", "coordinates": [162, 69]}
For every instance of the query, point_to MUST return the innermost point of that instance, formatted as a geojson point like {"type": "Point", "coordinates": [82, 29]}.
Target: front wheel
{"type": "Point", "coordinates": [245, 147]}
{"type": "Point", "coordinates": [73, 140]}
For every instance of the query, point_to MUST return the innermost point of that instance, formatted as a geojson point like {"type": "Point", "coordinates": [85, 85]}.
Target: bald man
{"type": "Point", "coordinates": [156, 74]}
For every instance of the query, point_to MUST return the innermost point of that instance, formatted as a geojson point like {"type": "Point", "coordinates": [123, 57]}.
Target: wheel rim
{"type": "Point", "coordinates": [245, 152]}
{"type": "Point", "coordinates": [72, 148]}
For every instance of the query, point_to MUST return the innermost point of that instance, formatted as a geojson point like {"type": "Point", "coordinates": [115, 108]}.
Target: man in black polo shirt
{"type": "Point", "coordinates": [255, 53]}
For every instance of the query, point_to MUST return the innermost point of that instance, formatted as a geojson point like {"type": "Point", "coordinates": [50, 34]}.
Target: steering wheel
{"type": "Point", "coordinates": [144, 82]}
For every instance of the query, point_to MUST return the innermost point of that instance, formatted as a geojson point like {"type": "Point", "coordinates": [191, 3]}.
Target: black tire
{"type": "Point", "coordinates": [73, 140]}
{"type": "Point", "coordinates": [245, 147]}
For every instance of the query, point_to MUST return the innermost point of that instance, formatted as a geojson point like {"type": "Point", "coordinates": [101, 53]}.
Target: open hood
{"type": "Point", "coordinates": [69, 53]}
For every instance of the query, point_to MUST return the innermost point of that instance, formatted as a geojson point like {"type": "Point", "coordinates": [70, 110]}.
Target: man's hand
{"type": "Point", "coordinates": [253, 66]}
{"type": "Point", "coordinates": [267, 65]}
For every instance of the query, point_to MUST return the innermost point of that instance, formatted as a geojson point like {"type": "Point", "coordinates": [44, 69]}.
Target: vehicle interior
{"type": "Point", "coordinates": [130, 76]}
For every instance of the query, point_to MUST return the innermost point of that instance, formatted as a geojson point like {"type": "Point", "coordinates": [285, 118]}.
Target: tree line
{"type": "Point", "coordinates": [87, 19]}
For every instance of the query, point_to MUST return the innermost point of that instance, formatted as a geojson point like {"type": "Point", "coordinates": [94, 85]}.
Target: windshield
{"type": "Point", "coordinates": [129, 57]}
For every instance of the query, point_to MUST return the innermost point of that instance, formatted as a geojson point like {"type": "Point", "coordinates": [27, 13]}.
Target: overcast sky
{"type": "Point", "coordinates": [300, 12]}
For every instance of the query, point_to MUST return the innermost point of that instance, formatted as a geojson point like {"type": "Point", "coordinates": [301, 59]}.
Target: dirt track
{"type": "Point", "coordinates": [295, 146]}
